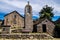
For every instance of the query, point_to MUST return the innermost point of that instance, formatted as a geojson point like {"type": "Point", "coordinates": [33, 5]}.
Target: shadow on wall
{"type": "Point", "coordinates": [34, 28]}
{"type": "Point", "coordinates": [57, 32]}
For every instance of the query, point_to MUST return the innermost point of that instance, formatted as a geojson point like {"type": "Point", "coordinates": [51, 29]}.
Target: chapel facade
{"type": "Point", "coordinates": [19, 24]}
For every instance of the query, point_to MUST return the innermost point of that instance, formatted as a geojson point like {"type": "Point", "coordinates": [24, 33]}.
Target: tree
{"type": "Point", "coordinates": [46, 12]}
{"type": "Point", "coordinates": [57, 28]}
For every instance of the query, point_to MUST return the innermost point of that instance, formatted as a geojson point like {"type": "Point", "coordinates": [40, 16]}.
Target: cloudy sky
{"type": "Point", "coordinates": [7, 6]}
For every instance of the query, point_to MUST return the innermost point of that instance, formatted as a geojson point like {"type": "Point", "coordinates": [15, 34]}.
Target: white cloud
{"type": "Point", "coordinates": [16, 3]}
{"type": "Point", "coordinates": [37, 5]}
{"type": "Point", "coordinates": [52, 3]}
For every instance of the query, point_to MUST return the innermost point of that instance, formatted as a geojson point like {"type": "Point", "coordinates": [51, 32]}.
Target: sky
{"type": "Point", "coordinates": [7, 6]}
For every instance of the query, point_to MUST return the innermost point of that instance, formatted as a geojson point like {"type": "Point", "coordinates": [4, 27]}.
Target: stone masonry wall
{"type": "Point", "coordinates": [9, 20]}
{"type": "Point", "coordinates": [49, 27]}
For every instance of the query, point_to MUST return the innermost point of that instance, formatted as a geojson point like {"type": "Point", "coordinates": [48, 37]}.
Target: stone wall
{"type": "Point", "coordinates": [9, 20]}
{"type": "Point", "coordinates": [25, 36]}
{"type": "Point", "coordinates": [31, 39]}
{"type": "Point", "coordinates": [49, 27]}
{"type": "Point", "coordinates": [28, 18]}
{"type": "Point", "coordinates": [6, 30]}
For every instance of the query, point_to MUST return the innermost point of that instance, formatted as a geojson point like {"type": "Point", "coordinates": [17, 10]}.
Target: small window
{"type": "Point", "coordinates": [46, 20]}
{"type": "Point", "coordinates": [14, 16]}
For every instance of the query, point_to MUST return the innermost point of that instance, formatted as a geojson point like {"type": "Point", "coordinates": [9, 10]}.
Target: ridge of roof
{"type": "Point", "coordinates": [13, 12]}
{"type": "Point", "coordinates": [40, 20]}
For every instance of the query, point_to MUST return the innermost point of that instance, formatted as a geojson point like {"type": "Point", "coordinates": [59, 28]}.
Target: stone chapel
{"type": "Point", "coordinates": [15, 23]}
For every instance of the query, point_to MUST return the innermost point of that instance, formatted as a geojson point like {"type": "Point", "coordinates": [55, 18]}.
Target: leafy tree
{"type": "Point", "coordinates": [57, 28]}
{"type": "Point", "coordinates": [46, 12]}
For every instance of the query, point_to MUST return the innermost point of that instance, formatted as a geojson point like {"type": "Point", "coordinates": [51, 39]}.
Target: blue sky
{"type": "Point", "coordinates": [7, 6]}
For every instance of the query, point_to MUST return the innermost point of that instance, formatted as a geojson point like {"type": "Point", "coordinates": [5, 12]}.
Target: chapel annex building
{"type": "Point", "coordinates": [15, 23]}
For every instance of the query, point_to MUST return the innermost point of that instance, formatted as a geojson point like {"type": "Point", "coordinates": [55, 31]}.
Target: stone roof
{"type": "Point", "coordinates": [40, 20]}
{"type": "Point", "coordinates": [13, 12]}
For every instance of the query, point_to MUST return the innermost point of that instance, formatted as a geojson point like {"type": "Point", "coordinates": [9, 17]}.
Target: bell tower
{"type": "Point", "coordinates": [28, 18]}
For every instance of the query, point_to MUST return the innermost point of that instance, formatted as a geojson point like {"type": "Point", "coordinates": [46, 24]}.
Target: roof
{"type": "Point", "coordinates": [5, 26]}
{"type": "Point", "coordinates": [40, 20]}
{"type": "Point", "coordinates": [13, 12]}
